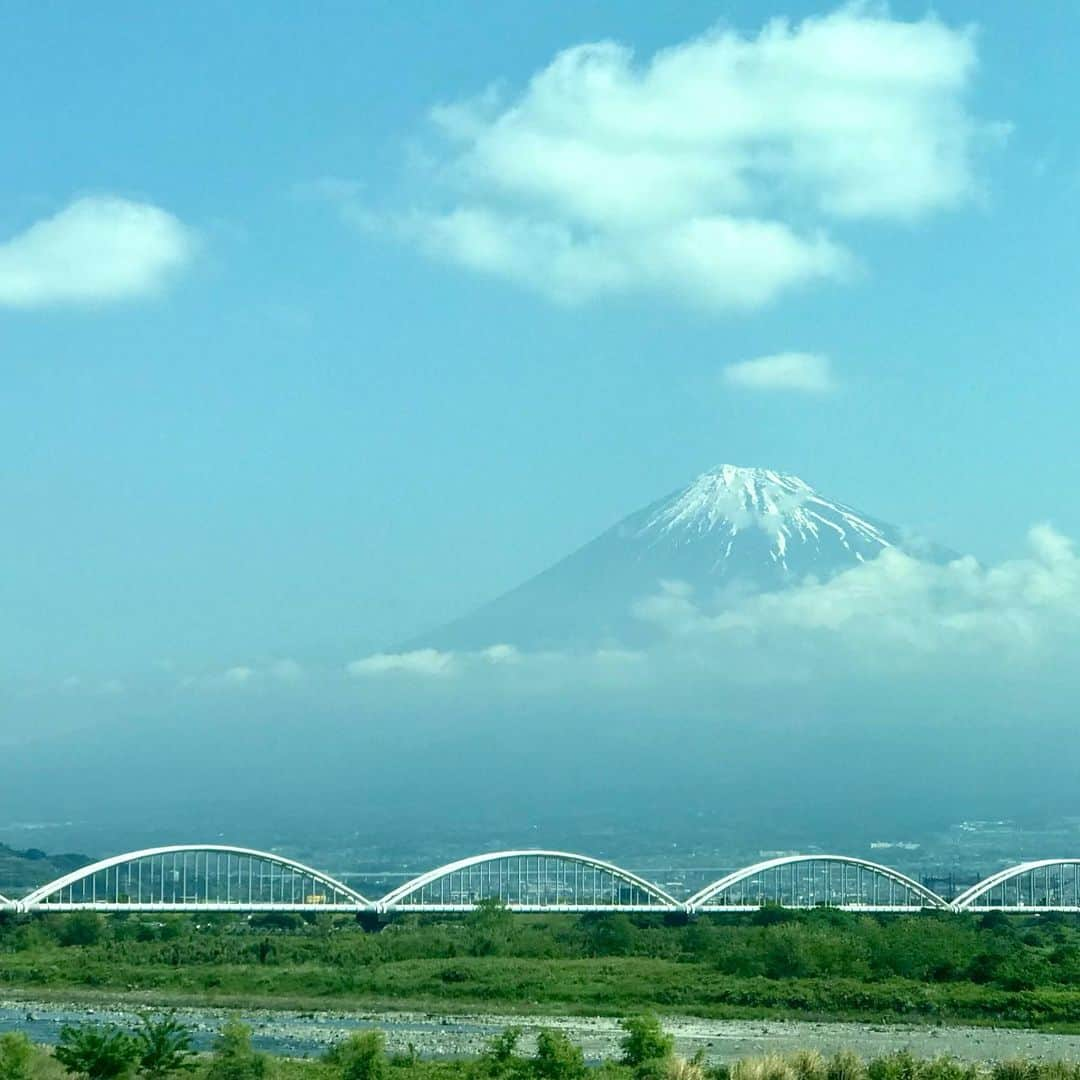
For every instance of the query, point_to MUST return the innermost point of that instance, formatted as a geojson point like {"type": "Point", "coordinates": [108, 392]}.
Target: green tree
{"type": "Point", "coordinates": [164, 1046]}
{"type": "Point", "coordinates": [786, 952]}
{"type": "Point", "coordinates": [489, 927]}
{"type": "Point", "coordinates": [557, 1058]}
{"type": "Point", "coordinates": [362, 1056]}
{"type": "Point", "coordinates": [645, 1040]}
{"type": "Point", "coordinates": [771, 914]}
{"type": "Point", "coordinates": [700, 938]}
{"type": "Point", "coordinates": [612, 935]}
{"type": "Point", "coordinates": [82, 928]}
{"type": "Point", "coordinates": [97, 1051]}
{"type": "Point", "coordinates": [234, 1056]}
{"type": "Point", "coordinates": [16, 1055]}
{"type": "Point", "coordinates": [500, 1060]}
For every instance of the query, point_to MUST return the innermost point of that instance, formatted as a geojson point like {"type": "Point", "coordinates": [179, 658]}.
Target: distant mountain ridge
{"type": "Point", "coordinates": [733, 529]}
{"type": "Point", "coordinates": [23, 870]}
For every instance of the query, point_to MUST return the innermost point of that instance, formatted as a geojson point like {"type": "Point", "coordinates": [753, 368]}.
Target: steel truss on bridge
{"type": "Point", "coordinates": [1045, 885]}
{"type": "Point", "coordinates": [218, 877]}
{"type": "Point", "coordinates": [803, 881]}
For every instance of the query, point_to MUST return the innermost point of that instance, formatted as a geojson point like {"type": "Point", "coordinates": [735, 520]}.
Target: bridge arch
{"type": "Point", "coordinates": [806, 881]}
{"type": "Point", "coordinates": [1042, 885]}
{"type": "Point", "coordinates": [189, 877]}
{"type": "Point", "coordinates": [529, 880]}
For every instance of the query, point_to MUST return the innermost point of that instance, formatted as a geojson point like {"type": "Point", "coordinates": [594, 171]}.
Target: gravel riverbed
{"type": "Point", "coordinates": [308, 1034]}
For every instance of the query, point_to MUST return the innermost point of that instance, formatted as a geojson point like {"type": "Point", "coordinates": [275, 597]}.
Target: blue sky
{"type": "Point", "coordinates": [266, 396]}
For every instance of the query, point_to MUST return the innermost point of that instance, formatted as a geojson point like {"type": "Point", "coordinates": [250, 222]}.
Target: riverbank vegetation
{"type": "Point", "coordinates": [160, 1048]}
{"type": "Point", "coordinates": [819, 964]}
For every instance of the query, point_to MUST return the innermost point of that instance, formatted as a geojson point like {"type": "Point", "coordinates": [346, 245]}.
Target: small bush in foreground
{"type": "Point", "coordinates": [16, 1056]}
{"type": "Point", "coordinates": [234, 1056]}
{"type": "Point", "coordinates": [645, 1040]}
{"type": "Point", "coordinates": [557, 1058]}
{"type": "Point", "coordinates": [97, 1051]}
{"type": "Point", "coordinates": [362, 1056]}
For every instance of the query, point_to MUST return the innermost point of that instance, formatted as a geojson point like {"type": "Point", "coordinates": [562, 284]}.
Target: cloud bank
{"type": "Point", "coordinates": [906, 625]}
{"type": "Point", "coordinates": [713, 171]}
{"type": "Point", "coordinates": [895, 615]}
{"type": "Point", "coordinates": [97, 250]}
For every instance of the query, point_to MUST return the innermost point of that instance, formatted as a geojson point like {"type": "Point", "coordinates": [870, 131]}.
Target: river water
{"type": "Point", "coordinates": [308, 1034]}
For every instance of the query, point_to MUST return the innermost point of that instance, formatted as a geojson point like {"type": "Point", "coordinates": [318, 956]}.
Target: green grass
{"type": "Point", "coordinates": [610, 986]}
{"type": "Point", "coordinates": [818, 966]}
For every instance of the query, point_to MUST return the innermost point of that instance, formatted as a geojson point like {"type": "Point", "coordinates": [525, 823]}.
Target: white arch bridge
{"type": "Point", "coordinates": [218, 877]}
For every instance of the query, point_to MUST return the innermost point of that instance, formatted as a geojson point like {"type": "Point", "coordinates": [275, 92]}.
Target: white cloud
{"type": "Point", "coordinates": [714, 261]}
{"type": "Point", "coordinates": [426, 662]}
{"type": "Point", "coordinates": [893, 616]}
{"type": "Point", "coordinates": [897, 612]}
{"type": "Point", "coordinates": [96, 250]}
{"type": "Point", "coordinates": [808, 373]}
{"type": "Point", "coordinates": [240, 675]}
{"type": "Point", "coordinates": [711, 171]}
{"type": "Point", "coordinates": [501, 654]}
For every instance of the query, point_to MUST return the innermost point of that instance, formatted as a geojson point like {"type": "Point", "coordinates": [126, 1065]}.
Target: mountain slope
{"type": "Point", "coordinates": [731, 530]}
{"type": "Point", "coordinates": [20, 871]}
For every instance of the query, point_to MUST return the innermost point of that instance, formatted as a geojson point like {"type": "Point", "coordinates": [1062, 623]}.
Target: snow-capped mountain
{"type": "Point", "coordinates": [731, 530]}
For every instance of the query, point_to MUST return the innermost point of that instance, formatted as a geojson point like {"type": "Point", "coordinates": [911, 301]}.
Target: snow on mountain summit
{"type": "Point", "coordinates": [732, 499]}
{"type": "Point", "coordinates": [731, 530]}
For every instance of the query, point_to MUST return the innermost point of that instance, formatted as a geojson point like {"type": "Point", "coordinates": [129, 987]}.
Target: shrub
{"type": "Point", "coordinates": [645, 1040]}
{"type": "Point", "coordinates": [898, 1066]}
{"type": "Point", "coordinates": [557, 1058]}
{"type": "Point", "coordinates": [489, 927]}
{"type": "Point", "coordinates": [99, 1052]}
{"type": "Point", "coordinates": [164, 1046]}
{"type": "Point", "coordinates": [653, 1069]}
{"type": "Point", "coordinates": [611, 935]}
{"type": "Point", "coordinates": [1057, 1070]}
{"type": "Point", "coordinates": [82, 928]}
{"type": "Point", "coordinates": [808, 1065]}
{"type": "Point", "coordinates": [769, 1067]}
{"type": "Point", "coordinates": [16, 1055]}
{"type": "Point", "coordinates": [1014, 1069]}
{"type": "Point", "coordinates": [946, 1068]}
{"type": "Point", "coordinates": [362, 1056]}
{"type": "Point", "coordinates": [500, 1059]}
{"type": "Point", "coordinates": [845, 1065]}
{"type": "Point", "coordinates": [678, 1068]}
{"type": "Point", "coordinates": [234, 1056]}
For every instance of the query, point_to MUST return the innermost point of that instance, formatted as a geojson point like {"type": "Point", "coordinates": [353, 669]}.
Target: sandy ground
{"type": "Point", "coordinates": [297, 1034]}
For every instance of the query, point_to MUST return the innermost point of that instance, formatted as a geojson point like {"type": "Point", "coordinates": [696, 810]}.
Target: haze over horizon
{"type": "Point", "coordinates": [319, 335]}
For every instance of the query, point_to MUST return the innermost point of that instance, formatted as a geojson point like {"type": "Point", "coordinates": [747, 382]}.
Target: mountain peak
{"type": "Point", "coordinates": [730, 530]}
{"type": "Point", "coordinates": [734, 499]}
